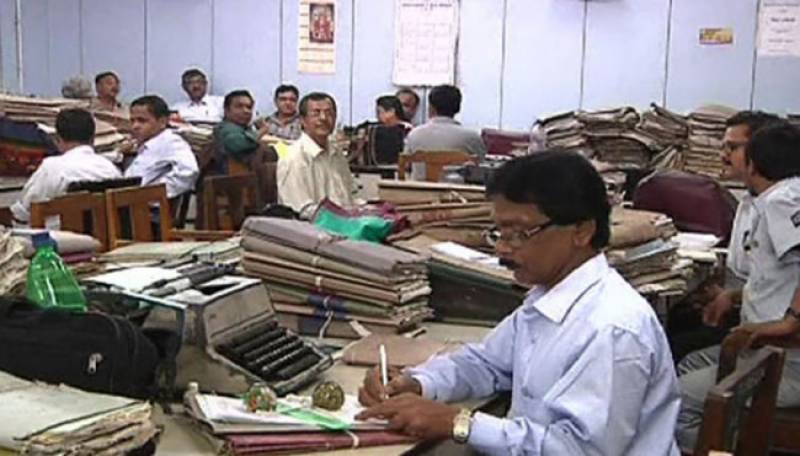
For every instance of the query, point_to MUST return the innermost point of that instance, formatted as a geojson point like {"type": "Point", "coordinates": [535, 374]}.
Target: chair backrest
{"type": "Point", "coordinates": [102, 185]}
{"type": "Point", "coordinates": [139, 205]}
{"type": "Point", "coordinates": [754, 385]}
{"type": "Point", "coordinates": [229, 200]}
{"type": "Point", "coordinates": [435, 161]}
{"type": "Point", "coordinates": [78, 212]}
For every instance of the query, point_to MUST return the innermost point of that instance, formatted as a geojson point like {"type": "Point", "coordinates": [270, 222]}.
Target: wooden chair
{"type": "Point", "coordinates": [786, 423]}
{"type": "Point", "coordinates": [229, 200]}
{"type": "Point", "coordinates": [434, 161]}
{"type": "Point", "coordinates": [727, 426]}
{"type": "Point", "coordinates": [78, 212]}
{"type": "Point", "coordinates": [138, 203]}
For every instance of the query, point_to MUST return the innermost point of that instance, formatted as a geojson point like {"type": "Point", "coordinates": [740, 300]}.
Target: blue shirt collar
{"type": "Point", "coordinates": [557, 302]}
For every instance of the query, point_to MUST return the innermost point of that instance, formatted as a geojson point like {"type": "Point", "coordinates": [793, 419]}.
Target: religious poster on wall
{"type": "Point", "coordinates": [779, 28]}
{"type": "Point", "coordinates": [426, 34]}
{"type": "Point", "coordinates": [317, 40]}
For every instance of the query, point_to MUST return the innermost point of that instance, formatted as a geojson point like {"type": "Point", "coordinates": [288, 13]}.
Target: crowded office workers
{"type": "Point", "coordinates": [162, 157]}
{"type": "Point", "coordinates": [314, 167]}
{"type": "Point", "coordinates": [107, 86]}
{"type": "Point", "coordinates": [200, 105]}
{"type": "Point", "coordinates": [285, 122]}
{"type": "Point", "coordinates": [78, 162]}
{"type": "Point", "coordinates": [442, 132]}
{"type": "Point", "coordinates": [772, 176]}
{"type": "Point", "coordinates": [585, 357]}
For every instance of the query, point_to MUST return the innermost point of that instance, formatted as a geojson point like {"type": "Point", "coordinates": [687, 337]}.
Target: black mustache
{"type": "Point", "coordinates": [510, 264]}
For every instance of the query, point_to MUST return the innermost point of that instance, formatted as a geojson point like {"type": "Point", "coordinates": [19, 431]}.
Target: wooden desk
{"type": "Point", "coordinates": [385, 171]}
{"type": "Point", "coordinates": [183, 438]}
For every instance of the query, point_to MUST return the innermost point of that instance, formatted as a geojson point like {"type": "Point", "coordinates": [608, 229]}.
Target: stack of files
{"type": "Point", "coordinates": [236, 431]}
{"type": "Point", "coordinates": [149, 252]}
{"type": "Point", "coordinates": [120, 121]}
{"type": "Point", "coordinates": [198, 137]}
{"type": "Point", "coordinates": [316, 278]}
{"type": "Point", "coordinates": [653, 268]}
{"type": "Point", "coordinates": [40, 419]}
{"type": "Point", "coordinates": [706, 130]}
{"type": "Point", "coordinates": [13, 262]}
{"type": "Point", "coordinates": [632, 227]}
{"type": "Point", "coordinates": [449, 212]}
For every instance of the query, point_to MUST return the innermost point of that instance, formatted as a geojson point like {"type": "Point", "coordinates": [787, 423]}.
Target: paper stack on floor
{"type": "Point", "coordinates": [320, 283]}
{"type": "Point", "coordinates": [671, 132]}
{"type": "Point", "coordinates": [448, 212]}
{"type": "Point", "coordinates": [40, 419]}
{"type": "Point", "coordinates": [706, 129]}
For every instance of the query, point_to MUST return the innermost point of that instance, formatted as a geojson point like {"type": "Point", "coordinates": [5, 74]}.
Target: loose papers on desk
{"type": "Point", "coordinates": [65, 420]}
{"type": "Point", "coordinates": [334, 279]}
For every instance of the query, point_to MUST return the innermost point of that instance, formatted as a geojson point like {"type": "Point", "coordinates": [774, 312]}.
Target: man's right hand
{"type": "Point", "coordinates": [715, 311]}
{"type": "Point", "coordinates": [373, 392]}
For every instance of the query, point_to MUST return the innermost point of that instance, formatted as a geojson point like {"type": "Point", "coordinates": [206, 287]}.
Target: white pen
{"type": "Point", "coordinates": [384, 366]}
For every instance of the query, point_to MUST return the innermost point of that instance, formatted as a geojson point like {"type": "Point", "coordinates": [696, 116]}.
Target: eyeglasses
{"type": "Point", "coordinates": [516, 238]}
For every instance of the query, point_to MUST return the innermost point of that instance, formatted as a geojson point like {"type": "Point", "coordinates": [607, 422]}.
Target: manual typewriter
{"type": "Point", "coordinates": [231, 338]}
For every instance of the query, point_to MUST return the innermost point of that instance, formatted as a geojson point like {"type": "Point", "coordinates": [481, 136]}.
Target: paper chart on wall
{"type": "Point", "coordinates": [316, 52]}
{"type": "Point", "coordinates": [426, 33]}
{"type": "Point", "coordinates": [779, 28]}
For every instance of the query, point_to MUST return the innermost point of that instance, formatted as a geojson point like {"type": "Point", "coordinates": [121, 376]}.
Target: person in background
{"type": "Point", "coordinates": [162, 157]}
{"type": "Point", "coordinates": [584, 357]}
{"type": "Point", "coordinates": [382, 141]}
{"type": "Point", "coordinates": [772, 248]}
{"type": "Point", "coordinates": [442, 131]}
{"type": "Point", "coordinates": [390, 112]}
{"type": "Point", "coordinates": [410, 101]}
{"type": "Point", "coordinates": [107, 87]}
{"type": "Point", "coordinates": [285, 122]}
{"type": "Point", "coordinates": [77, 88]}
{"type": "Point", "coordinates": [238, 138]}
{"type": "Point", "coordinates": [75, 129]}
{"type": "Point", "coordinates": [200, 107]}
{"type": "Point", "coordinates": [314, 168]}
{"type": "Point", "coordinates": [716, 314]}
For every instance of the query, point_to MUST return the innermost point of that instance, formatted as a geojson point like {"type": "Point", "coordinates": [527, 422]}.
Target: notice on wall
{"type": "Point", "coordinates": [426, 33]}
{"type": "Point", "coordinates": [779, 28]}
{"type": "Point", "coordinates": [317, 41]}
{"type": "Point", "coordinates": [716, 36]}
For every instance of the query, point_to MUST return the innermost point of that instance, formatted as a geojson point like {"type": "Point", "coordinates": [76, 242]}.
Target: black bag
{"type": "Point", "coordinates": [92, 351]}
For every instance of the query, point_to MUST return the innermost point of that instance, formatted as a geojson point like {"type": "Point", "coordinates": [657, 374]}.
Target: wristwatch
{"type": "Point", "coordinates": [461, 426]}
{"type": "Point", "coordinates": [792, 313]}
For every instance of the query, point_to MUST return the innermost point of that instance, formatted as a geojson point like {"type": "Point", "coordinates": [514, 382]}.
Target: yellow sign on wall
{"type": "Point", "coordinates": [716, 35]}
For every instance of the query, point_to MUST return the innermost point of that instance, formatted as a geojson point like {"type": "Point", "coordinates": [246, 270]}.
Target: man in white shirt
{"type": "Point", "coordinates": [162, 156]}
{"type": "Point", "coordinates": [200, 107]}
{"type": "Point", "coordinates": [314, 169]}
{"type": "Point", "coordinates": [78, 162]}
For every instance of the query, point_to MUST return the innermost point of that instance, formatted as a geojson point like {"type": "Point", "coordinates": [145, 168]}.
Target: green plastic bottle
{"type": "Point", "coordinates": [50, 283]}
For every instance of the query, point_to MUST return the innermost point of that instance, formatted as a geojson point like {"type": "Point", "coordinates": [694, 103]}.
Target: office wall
{"type": "Point", "coordinates": [517, 59]}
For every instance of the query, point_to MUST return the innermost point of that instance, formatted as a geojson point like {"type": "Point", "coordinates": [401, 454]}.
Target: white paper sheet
{"type": "Point", "coordinates": [779, 28]}
{"type": "Point", "coordinates": [135, 279]}
{"type": "Point", "coordinates": [426, 32]}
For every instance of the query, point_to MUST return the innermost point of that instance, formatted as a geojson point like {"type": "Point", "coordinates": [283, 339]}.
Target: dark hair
{"type": "Point", "coordinates": [754, 120]}
{"type": "Point", "coordinates": [192, 72]}
{"type": "Point", "coordinates": [102, 75]}
{"type": "Point", "coordinates": [315, 96]}
{"type": "Point", "coordinates": [75, 125]}
{"type": "Point", "coordinates": [563, 185]}
{"type": "Point", "coordinates": [391, 102]}
{"type": "Point", "coordinates": [286, 88]}
{"type": "Point", "coordinates": [236, 94]}
{"type": "Point", "coordinates": [155, 104]}
{"type": "Point", "coordinates": [446, 100]}
{"type": "Point", "coordinates": [774, 151]}
{"type": "Point", "coordinates": [408, 91]}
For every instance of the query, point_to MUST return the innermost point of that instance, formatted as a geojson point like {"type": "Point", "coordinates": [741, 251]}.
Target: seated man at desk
{"type": "Point", "coordinates": [314, 168]}
{"type": "Point", "coordinates": [238, 140]}
{"type": "Point", "coordinates": [442, 131]}
{"type": "Point", "coordinates": [584, 356]}
{"type": "Point", "coordinates": [162, 157]}
{"type": "Point", "coordinates": [107, 86]}
{"type": "Point", "coordinates": [285, 122]}
{"type": "Point", "coordinates": [200, 107]}
{"type": "Point", "coordinates": [410, 101]}
{"type": "Point", "coordinates": [78, 161]}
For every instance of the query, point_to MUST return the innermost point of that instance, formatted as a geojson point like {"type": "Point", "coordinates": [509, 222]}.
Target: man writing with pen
{"type": "Point", "coordinates": [584, 356]}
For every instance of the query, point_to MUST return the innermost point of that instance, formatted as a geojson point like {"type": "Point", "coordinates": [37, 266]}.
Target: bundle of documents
{"type": "Point", "coordinates": [706, 129]}
{"type": "Point", "coordinates": [149, 252]}
{"type": "Point", "coordinates": [198, 137]}
{"type": "Point", "coordinates": [295, 427]}
{"type": "Point", "coordinates": [653, 268]}
{"type": "Point", "coordinates": [13, 262]}
{"type": "Point", "coordinates": [632, 227]}
{"type": "Point", "coordinates": [449, 212]}
{"type": "Point", "coordinates": [65, 420]}
{"type": "Point", "coordinates": [321, 282]}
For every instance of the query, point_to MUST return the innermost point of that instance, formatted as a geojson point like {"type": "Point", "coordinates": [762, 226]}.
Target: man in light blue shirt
{"type": "Point", "coordinates": [585, 358]}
